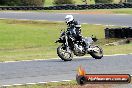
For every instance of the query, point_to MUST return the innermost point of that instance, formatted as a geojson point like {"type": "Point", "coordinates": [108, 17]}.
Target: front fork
{"type": "Point", "coordinates": [67, 45]}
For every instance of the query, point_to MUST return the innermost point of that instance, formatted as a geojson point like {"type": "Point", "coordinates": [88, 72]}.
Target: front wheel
{"type": "Point", "coordinates": [97, 52]}
{"type": "Point", "coordinates": [63, 54]}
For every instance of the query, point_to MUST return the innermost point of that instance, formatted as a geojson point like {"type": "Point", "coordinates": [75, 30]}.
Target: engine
{"type": "Point", "coordinates": [79, 50]}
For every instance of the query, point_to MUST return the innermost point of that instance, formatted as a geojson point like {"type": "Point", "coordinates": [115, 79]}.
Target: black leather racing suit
{"type": "Point", "coordinates": [74, 29]}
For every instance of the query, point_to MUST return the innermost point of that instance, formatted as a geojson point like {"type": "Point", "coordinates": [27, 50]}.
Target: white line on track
{"type": "Point", "coordinates": [58, 58]}
{"type": "Point", "coordinates": [54, 81]}
{"type": "Point", "coordinates": [84, 23]}
{"type": "Point", "coordinates": [35, 83]}
{"type": "Point", "coordinates": [6, 85]}
{"type": "Point", "coordinates": [42, 82]}
{"type": "Point", "coordinates": [31, 83]}
{"type": "Point", "coordinates": [110, 25]}
{"type": "Point", "coordinates": [66, 80]}
{"type": "Point", "coordinates": [17, 84]}
{"type": "Point", "coordinates": [98, 24]}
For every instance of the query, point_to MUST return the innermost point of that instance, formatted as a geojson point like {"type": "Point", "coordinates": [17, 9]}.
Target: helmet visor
{"type": "Point", "coordinates": [67, 20]}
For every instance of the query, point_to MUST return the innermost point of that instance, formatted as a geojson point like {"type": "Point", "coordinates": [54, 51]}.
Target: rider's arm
{"type": "Point", "coordinates": [77, 24]}
{"type": "Point", "coordinates": [78, 27]}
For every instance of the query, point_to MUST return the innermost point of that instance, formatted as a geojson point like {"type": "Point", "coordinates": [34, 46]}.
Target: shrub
{"type": "Point", "coordinates": [103, 1]}
{"type": "Point", "coordinates": [10, 2]}
{"type": "Point", "coordinates": [22, 2]}
{"type": "Point", "coordinates": [60, 2]}
{"type": "Point", "coordinates": [32, 2]}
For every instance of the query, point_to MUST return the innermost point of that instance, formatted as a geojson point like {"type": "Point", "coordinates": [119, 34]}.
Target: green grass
{"type": "Point", "coordinates": [28, 40]}
{"type": "Point", "coordinates": [125, 11]}
{"type": "Point", "coordinates": [48, 85]}
{"type": "Point", "coordinates": [50, 2]}
{"type": "Point", "coordinates": [89, 11]}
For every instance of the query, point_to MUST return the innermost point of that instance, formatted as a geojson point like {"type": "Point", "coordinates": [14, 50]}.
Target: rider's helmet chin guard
{"type": "Point", "coordinates": [69, 18]}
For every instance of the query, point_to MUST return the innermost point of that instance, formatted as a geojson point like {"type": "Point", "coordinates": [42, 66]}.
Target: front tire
{"type": "Point", "coordinates": [98, 54]}
{"type": "Point", "coordinates": [63, 54]}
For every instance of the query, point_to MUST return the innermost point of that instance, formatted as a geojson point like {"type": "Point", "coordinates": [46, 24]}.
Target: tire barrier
{"type": "Point", "coordinates": [125, 32]}
{"type": "Point", "coordinates": [69, 7]}
{"type": "Point", "coordinates": [20, 8]}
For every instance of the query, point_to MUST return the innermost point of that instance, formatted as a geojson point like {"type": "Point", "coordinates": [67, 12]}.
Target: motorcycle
{"type": "Point", "coordinates": [69, 47]}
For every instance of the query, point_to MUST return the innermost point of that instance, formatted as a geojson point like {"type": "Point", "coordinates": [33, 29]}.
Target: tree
{"type": "Point", "coordinates": [103, 1]}
{"type": "Point", "coordinates": [2, 2]}
{"type": "Point", "coordinates": [60, 2]}
{"type": "Point", "coordinates": [85, 1]}
{"type": "Point", "coordinates": [32, 2]}
{"type": "Point", "coordinates": [129, 0]}
{"type": "Point", "coordinates": [13, 2]}
{"type": "Point", "coordinates": [22, 2]}
{"type": "Point", "coordinates": [10, 2]}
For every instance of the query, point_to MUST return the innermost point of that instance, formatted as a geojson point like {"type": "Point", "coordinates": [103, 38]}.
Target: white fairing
{"type": "Point", "coordinates": [77, 25]}
{"type": "Point", "coordinates": [88, 40]}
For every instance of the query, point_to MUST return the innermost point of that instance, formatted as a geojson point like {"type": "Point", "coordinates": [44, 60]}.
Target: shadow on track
{"type": "Point", "coordinates": [74, 60]}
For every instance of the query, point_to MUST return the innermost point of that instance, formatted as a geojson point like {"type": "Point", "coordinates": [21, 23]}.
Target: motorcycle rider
{"type": "Point", "coordinates": [75, 29]}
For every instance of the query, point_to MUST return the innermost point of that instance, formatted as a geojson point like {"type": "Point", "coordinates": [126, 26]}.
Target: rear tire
{"type": "Point", "coordinates": [95, 55]}
{"type": "Point", "coordinates": [60, 53]}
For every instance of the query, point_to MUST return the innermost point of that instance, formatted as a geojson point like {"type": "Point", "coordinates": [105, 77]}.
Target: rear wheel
{"type": "Point", "coordinates": [97, 52]}
{"type": "Point", "coordinates": [63, 54]}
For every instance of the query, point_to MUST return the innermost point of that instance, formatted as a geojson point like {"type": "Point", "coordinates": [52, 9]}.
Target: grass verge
{"type": "Point", "coordinates": [88, 11]}
{"type": "Point", "coordinates": [71, 84]}
{"type": "Point", "coordinates": [28, 40]}
{"type": "Point", "coordinates": [93, 11]}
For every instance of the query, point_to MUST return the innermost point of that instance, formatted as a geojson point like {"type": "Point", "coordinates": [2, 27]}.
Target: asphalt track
{"type": "Point", "coordinates": [58, 70]}
{"type": "Point", "coordinates": [105, 19]}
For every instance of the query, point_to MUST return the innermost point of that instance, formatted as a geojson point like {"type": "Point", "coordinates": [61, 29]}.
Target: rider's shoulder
{"type": "Point", "coordinates": [77, 22]}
